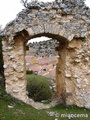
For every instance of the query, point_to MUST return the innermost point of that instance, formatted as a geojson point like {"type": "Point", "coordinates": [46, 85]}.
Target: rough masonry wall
{"type": "Point", "coordinates": [67, 18]}
{"type": "Point", "coordinates": [73, 73]}
{"type": "Point", "coordinates": [77, 72]}
{"type": "Point", "coordinates": [14, 69]}
{"type": "Point", "coordinates": [71, 27]}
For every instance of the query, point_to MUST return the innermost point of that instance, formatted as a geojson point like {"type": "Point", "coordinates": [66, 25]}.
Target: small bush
{"type": "Point", "coordinates": [38, 88]}
{"type": "Point", "coordinates": [29, 72]}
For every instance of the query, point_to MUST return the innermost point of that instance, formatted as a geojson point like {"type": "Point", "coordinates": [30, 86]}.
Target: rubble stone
{"type": "Point", "coordinates": [71, 27]}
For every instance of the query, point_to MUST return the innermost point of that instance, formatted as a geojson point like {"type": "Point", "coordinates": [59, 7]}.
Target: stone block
{"type": "Point", "coordinates": [38, 29]}
{"type": "Point", "coordinates": [5, 66]}
{"type": "Point", "coordinates": [30, 31]}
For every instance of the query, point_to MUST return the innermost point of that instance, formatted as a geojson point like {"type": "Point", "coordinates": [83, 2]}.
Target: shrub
{"type": "Point", "coordinates": [38, 88]}
{"type": "Point", "coordinates": [29, 72]}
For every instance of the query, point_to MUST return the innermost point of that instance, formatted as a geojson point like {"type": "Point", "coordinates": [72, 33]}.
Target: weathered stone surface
{"type": "Point", "coordinates": [71, 27]}
{"type": "Point", "coordinates": [5, 66]}
{"type": "Point", "coordinates": [25, 19]}
{"type": "Point", "coordinates": [30, 31]}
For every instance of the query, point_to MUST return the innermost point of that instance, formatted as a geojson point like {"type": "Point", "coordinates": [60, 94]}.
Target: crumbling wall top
{"type": "Point", "coordinates": [76, 8]}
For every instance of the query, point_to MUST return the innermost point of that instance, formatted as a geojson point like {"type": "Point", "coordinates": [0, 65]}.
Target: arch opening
{"type": "Point", "coordinates": [59, 77]}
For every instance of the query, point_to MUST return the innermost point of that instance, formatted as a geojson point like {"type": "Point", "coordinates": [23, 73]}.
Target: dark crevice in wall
{"type": "Point", "coordinates": [2, 80]}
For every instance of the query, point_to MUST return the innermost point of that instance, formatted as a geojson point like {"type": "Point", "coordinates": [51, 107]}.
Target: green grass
{"type": "Point", "coordinates": [22, 111]}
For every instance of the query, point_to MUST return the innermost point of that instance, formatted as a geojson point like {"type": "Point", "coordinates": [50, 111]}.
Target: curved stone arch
{"type": "Point", "coordinates": [57, 20]}
{"type": "Point", "coordinates": [25, 35]}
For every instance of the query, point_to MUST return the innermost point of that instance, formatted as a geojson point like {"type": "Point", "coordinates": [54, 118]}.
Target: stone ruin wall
{"type": "Point", "coordinates": [71, 27]}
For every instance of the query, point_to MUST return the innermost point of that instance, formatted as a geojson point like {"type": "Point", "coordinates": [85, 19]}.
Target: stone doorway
{"type": "Point", "coordinates": [41, 60]}
{"type": "Point", "coordinates": [18, 69]}
{"type": "Point", "coordinates": [61, 49]}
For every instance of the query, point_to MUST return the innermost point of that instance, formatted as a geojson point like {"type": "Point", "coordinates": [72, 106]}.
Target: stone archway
{"type": "Point", "coordinates": [71, 27]}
